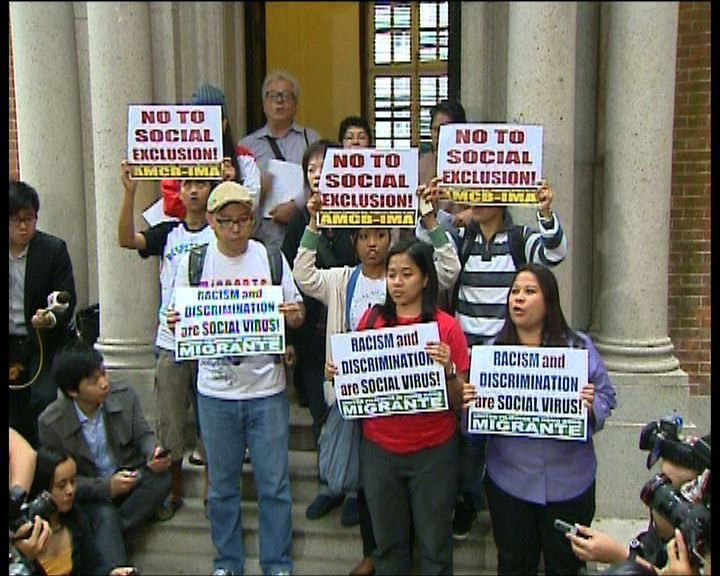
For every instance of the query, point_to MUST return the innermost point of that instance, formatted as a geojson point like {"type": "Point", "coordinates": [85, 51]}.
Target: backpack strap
{"type": "Point", "coordinates": [349, 292]}
{"type": "Point", "coordinates": [307, 142]}
{"type": "Point", "coordinates": [275, 147]}
{"type": "Point", "coordinates": [372, 318]}
{"type": "Point", "coordinates": [197, 261]}
{"type": "Point", "coordinates": [464, 246]}
{"type": "Point", "coordinates": [275, 261]}
{"type": "Point", "coordinates": [516, 243]}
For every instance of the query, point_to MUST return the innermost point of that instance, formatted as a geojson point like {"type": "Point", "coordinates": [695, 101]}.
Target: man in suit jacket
{"type": "Point", "coordinates": [39, 265]}
{"type": "Point", "coordinates": [121, 477]}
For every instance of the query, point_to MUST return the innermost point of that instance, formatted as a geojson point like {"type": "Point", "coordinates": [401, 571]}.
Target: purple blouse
{"type": "Point", "coordinates": [541, 470]}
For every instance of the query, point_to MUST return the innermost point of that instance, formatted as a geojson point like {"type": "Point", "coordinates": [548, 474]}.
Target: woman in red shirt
{"type": "Point", "coordinates": [409, 462]}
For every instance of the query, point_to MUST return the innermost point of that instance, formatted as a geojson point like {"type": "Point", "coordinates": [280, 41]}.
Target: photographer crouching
{"type": "Point", "coordinates": [677, 540]}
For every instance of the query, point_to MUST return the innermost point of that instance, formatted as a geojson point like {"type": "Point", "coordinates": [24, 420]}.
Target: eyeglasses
{"type": "Point", "coordinates": [275, 96]}
{"type": "Point", "coordinates": [230, 222]}
{"type": "Point", "coordinates": [19, 220]}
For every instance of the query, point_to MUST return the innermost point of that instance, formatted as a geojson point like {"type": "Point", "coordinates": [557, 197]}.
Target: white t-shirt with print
{"type": "Point", "coordinates": [240, 377]}
{"type": "Point", "coordinates": [170, 240]}
{"type": "Point", "coordinates": [368, 292]}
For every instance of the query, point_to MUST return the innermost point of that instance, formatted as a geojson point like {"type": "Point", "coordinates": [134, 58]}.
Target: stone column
{"type": "Point", "coordinates": [632, 327]}
{"type": "Point", "coordinates": [541, 90]}
{"type": "Point", "coordinates": [632, 245]}
{"type": "Point", "coordinates": [49, 127]}
{"type": "Point", "coordinates": [120, 74]}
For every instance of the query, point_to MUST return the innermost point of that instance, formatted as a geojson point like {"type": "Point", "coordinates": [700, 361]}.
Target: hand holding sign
{"type": "Point", "coordinates": [545, 198]}
{"type": "Point", "coordinates": [129, 184]}
{"type": "Point", "coordinates": [330, 370]}
{"type": "Point", "coordinates": [294, 313]}
{"type": "Point", "coordinates": [314, 205]}
{"type": "Point", "coordinates": [172, 317]}
{"type": "Point", "coordinates": [587, 395]}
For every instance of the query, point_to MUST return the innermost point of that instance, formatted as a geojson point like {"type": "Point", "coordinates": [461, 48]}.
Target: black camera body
{"type": "Point", "coordinates": [662, 439]}
{"type": "Point", "coordinates": [691, 518]}
{"type": "Point", "coordinates": [21, 512]}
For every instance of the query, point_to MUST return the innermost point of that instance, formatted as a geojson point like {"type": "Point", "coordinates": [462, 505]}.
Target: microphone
{"type": "Point", "coordinates": [57, 301]}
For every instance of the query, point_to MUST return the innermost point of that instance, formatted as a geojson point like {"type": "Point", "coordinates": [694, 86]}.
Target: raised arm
{"type": "Point", "coordinates": [127, 236]}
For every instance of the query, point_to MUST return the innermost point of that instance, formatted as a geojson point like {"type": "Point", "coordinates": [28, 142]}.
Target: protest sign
{"type": "Point", "coordinates": [369, 188]}
{"type": "Point", "coordinates": [287, 183]}
{"type": "Point", "coordinates": [387, 371]}
{"type": "Point", "coordinates": [490, 164]}
{"type": "Point", "coordinates": [228, 321]}
{"type": "Point", "coordinates": [180, 142]}
{"type": "Point", "coordinates": [528, 391]}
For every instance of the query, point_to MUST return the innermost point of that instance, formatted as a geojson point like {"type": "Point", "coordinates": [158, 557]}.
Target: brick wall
{"type": "Point", "coordinates": [689, 289]}
{"type": "Point", "coordinates": [13, 148]}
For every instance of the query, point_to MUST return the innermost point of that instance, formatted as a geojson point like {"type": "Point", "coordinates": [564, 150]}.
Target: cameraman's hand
{"type": "Point", "coordinates": [34, 545]}
{"type": "Point", "coordinates": [594, 546]}
{"type": "Point", "coordinates": [678, 557]}
{"type": "Point", "coordinates": [678, 474]}
{"type": "Point", "coordinates": [122, 482]}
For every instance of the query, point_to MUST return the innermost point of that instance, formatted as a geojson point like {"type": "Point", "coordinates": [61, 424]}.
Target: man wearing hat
{"type": "Point", "coordinates": [174, 381]}
{"type": "Point", "coordinates": [241, 399]}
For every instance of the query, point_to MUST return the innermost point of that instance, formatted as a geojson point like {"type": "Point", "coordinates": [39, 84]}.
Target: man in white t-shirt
{"type": "Point", "coordinates": [241, 399]}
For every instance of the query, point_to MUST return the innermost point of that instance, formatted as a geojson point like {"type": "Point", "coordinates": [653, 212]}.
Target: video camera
{"type": "Point", "coordinates": [21, 512]}
{"type": "Point", "coordinates": [662, 439]}
{"type": "Point", "coordinates": [692, 518]}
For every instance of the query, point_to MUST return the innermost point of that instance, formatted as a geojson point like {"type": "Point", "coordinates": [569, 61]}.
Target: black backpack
{"type": "Point", "coordinates": [197, 261]}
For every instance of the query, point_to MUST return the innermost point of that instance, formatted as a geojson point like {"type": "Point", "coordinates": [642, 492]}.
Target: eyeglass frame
{"type": "Point", "coordinates": [280, 96]}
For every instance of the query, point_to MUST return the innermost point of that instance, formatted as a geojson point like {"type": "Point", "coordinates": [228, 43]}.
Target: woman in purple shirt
{"type": "Point", "coordinates": [532, 481]}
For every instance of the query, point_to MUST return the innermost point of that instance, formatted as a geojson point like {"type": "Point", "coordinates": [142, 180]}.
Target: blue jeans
{"type": "Point", "coordinates": [227, 427]}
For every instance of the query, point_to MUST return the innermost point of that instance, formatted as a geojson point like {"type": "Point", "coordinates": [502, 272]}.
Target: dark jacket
{"type": "Point", "coordinates": [130, 438]}
{"type": "Point", "coordinates": [49, 269]}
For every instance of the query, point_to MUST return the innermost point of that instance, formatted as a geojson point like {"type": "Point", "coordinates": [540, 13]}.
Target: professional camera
{"type": "Point", "coordinates": [691, 518]}
{"type": "Point", "coordinates": [662, 439]}
{"type": "Point", "coordinates": [21, 512]}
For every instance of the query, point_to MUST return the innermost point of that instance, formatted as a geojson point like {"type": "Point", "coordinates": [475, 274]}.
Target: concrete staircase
{"type": "Point", "coordinates": [183, 545]}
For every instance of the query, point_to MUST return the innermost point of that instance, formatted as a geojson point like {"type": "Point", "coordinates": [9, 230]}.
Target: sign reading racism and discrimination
{"type": "Point", "coordinates": [491, 164]}
{"type": "Point", "coordinates": [228, 321]}
{"type": "Point", "coordinates": [387, 371]}
{"type": "Point", "coordinates": [369, 187]}
{"type": "Point", "coordinates": [528, 391]}
{"type": "Point", "coordinates": [179, 142]}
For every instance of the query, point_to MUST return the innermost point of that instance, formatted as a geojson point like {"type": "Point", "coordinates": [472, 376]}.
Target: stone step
{"type": "Point", "coordinates": [323, 540]}
{"type": "Point", "coordinates": [303, 478]}
{"type": "Point", "coordinates": [191, 564]}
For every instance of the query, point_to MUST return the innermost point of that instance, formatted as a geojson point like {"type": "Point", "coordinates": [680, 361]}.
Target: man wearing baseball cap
{"type": "Point", "coordinates": [241, 399]}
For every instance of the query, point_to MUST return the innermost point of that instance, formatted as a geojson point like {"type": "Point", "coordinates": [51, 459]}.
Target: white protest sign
{"type": "Point", "coordinates": [178, 142]}
{"type": "Point", "coordinates": [368, 187]}
{"type": "Point", "coordinates": [387, 371]}
{"type": "Point", "coordinates": [494, 164]}
{"type": "Point", "coordinates": [228, 321]}
{"type": "Point", "coordinates": [529, 391]}
{"type": "Point", "coordinates": [287, 183]}
{"type": "Point", "coordinates": [154, 214]}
